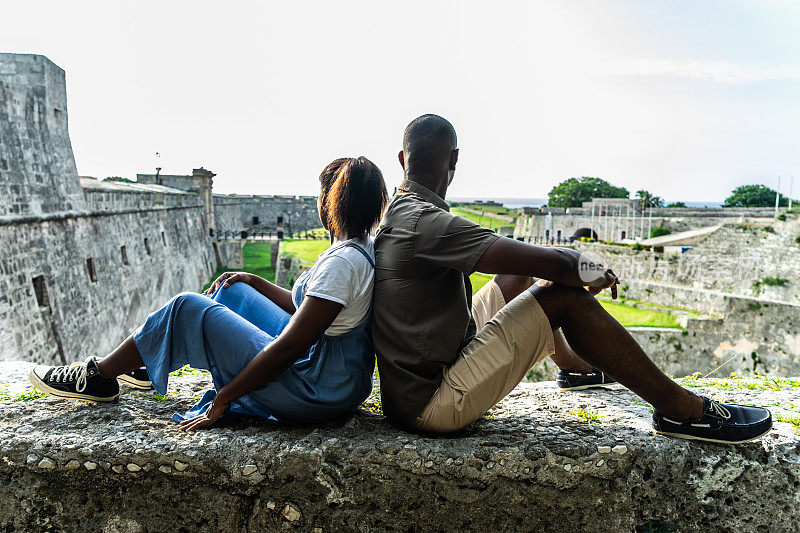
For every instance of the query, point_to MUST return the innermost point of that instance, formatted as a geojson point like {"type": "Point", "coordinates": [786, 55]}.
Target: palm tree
{"type": "Point", "coordinates": [648, 199]}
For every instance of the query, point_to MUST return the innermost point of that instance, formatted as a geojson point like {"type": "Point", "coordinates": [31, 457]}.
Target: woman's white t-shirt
{"type": "Point", "coordinates": [343, 275]}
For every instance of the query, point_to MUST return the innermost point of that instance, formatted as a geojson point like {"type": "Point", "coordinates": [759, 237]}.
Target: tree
{"type": "Point", "coordinates": [658, 231]}
{"type": "Point", "coordinates": [754, 196]}
{"type": "Point", "coordinates": [117, 178]}
{"type": "Point", "coordinates": [676, 204]}
{"type": "Point", "coordinates": [574, 191]}
{"type": "Point", "coordinates": [648, 199]}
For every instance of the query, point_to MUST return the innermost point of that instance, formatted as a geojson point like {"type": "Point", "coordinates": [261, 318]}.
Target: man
{"type": "Point", "coordinates": [440, 373]}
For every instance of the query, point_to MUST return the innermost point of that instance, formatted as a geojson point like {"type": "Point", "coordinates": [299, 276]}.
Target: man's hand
{"type": "Point", "coordinates": [606, 281]}
{"type": "Point", "coordinates": [229, 278]}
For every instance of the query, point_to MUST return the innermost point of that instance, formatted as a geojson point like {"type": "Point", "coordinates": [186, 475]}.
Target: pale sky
{"type": "Point", "coordinates": [687, 99]}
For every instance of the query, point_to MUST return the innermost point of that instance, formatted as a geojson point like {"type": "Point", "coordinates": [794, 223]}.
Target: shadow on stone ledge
{"type": "Point", "coordinates": [532, 464]}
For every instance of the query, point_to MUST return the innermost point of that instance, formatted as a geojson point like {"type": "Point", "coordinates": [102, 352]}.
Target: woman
{"type": "Point", "coordinates": [297, 356]}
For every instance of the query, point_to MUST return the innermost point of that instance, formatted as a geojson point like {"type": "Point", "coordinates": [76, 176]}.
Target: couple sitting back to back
{"type": "Point", "coordinates": [445, 357]}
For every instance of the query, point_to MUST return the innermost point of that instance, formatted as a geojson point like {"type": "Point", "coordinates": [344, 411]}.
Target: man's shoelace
{"type": "Point", "coordinates": [75, 372]}
{"type": "Point", "coordinates": [718, 409]}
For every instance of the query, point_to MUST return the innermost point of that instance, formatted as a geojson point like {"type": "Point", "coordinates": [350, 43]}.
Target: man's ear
{"type": "Point", "coordinates": [453, 159]}
{"type": "Point", "coordinates": [402, 158]}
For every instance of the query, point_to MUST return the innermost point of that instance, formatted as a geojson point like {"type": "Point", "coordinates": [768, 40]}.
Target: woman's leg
{"type": "Point", "coordinates": [125, 358]}
{"type": "Point", "coordinates": [194, 330]}
{"type": "Point", "coordinates": [190, 329]}
{"type": "Point", "coordinates": [254, 307]}
{"type": "Point", "coordinates": [240, 298]}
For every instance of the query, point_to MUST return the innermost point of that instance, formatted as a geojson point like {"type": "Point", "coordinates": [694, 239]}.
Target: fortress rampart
{"type": "Point", "coordinates": [81, 264]}
{"type": "Point", "coordinates": [289, 214]}
{"type": "Point", "coordinates": [618, 219]}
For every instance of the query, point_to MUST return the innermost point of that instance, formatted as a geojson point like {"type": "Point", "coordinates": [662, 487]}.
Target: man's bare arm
{"type": "Point", "coordinates": [560, 265]}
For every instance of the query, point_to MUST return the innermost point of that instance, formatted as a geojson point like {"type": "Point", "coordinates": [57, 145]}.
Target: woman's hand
{"type": "Point", "coordinates": [212, 414]}
{"type": "Point", "coordinates": [228, 279]}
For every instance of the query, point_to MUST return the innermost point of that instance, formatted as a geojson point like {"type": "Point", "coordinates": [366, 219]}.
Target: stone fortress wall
{"type": "Point", "coordinates": [82, 262]}
{"type": "Point", "coordinates": [231, 214]}
{"type": "Point", "coordinates": [743, 323]}
{"type": "Point", "coordinates": [80, 266]}
{"type": "Point", "coordinates": [718, 270]}
{"type": "Point", "coordinates": [615, 221]}
{"type": "Point", "coordinates": [269, 214]}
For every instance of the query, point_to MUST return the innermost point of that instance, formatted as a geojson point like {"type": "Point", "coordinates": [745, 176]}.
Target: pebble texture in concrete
{"type": "Point", "coordinates": [530, 465]}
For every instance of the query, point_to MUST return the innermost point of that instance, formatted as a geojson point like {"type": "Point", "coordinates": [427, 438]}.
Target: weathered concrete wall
{"type": "Point", "coordinates": [229, 254]}
{"type": "Point", "coordinates": [531, 465]}
{"type": "Point", "coordinates": [287, 271]}
{"type": "Point", "coordinates": [80, 267]}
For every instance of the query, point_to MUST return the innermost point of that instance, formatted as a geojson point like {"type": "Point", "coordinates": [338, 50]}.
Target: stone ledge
{"type": "Point", "coordinates": [531, 464]}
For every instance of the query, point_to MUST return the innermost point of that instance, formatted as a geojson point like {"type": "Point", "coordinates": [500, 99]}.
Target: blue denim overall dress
{"type": "Point", "coordinates": [223, 333]}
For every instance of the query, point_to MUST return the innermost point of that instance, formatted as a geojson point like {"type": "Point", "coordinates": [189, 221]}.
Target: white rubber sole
{"type": "Point", "coordinates": [43, 387]}
{"type": "Point", "coordinates": [584, 387]}
{"type": "Point", "coordinates": [704, 439]}
{"type": "Point", "coordinates": [135, 383]}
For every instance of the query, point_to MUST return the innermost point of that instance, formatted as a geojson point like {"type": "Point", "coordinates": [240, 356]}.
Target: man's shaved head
{"type": "Point", "coordinates": [428, 144]}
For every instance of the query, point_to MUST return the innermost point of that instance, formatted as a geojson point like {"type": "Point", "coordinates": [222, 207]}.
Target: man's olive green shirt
{"type": "Point", "coordinates": [421, 314]}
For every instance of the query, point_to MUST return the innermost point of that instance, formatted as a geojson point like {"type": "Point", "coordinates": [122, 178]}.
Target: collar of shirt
{"type": "Point", "coordinates": [426, 194]}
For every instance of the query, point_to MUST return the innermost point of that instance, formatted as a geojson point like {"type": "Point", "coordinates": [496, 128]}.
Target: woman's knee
{"type": "Point", "coordinates": [232, 293]}
{"type": "Point", "coordinates": [190, 298]}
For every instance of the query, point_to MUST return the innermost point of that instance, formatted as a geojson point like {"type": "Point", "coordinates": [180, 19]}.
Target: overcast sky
{"type": "Point", "coordinates": [687, 99]}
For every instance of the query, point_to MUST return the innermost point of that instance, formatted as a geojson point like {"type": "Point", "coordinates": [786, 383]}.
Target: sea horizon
{"type": "Point", "coordinates": [516, 203]}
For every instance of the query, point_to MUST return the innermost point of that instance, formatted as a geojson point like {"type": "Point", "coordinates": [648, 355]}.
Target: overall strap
{"type": "Point", "coordinates": [360, 249]}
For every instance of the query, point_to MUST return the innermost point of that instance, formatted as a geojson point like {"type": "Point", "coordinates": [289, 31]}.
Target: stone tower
{"type": "Point", "coordinates": [37, 169]}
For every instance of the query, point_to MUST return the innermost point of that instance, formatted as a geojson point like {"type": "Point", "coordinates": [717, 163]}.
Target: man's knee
{"type": "Point", "coordinates": [557, 300]}
{"type": "Point", "coordinates": [511, 285]}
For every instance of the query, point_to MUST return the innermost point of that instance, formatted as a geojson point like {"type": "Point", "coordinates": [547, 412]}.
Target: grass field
{"type": "Point", "coordinates": [256, 261]}
{"type": "Point", "coordinates": [485, 221]}
{"type": "Point", "coordinates": [306, 250]}
{"type": "Point", "coordinates": [479, 280]}
{"type": "Point", "coordinates": [631, 317]}
{"type": "Point", "coordinates": [496, 209]}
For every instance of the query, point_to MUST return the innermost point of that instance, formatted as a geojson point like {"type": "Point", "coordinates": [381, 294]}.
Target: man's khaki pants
{"type": "Point", "coordinates": [514, 338]}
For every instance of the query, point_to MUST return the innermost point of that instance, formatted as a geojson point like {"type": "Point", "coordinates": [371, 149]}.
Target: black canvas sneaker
{"type": "Point", "coordinates": [582, 379]}
{"type": "Point", "coordinates": [80, 381]}
{"type": "Point", "coordinates": [725, 423]}
{"type": "Point", "coordinates": [138, 379]}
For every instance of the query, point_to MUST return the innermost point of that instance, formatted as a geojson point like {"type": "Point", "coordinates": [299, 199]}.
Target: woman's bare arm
{"type": "Point", "coordinates": [314, 316]}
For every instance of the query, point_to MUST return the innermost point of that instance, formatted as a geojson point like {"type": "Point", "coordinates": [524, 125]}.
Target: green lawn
{"type": "Point", "coordinates": [306, 250]}
{"type": "Point", "coordinates": [496, 209]}
{"type": "Point", "coordinates": [479, 280]}
{"type": "Point", "coordinates": [660, 306]}
{"type": "Point", "coordinates": [485, 221]}
{"type": "Point", "coordinates": [631, 317]}
{"type": "Point", "coordinates": [256, 261]}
